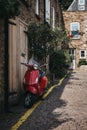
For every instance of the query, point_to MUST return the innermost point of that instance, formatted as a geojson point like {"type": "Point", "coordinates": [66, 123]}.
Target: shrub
{"type": "Point", "coordinates": [82, 62]}
{"type": "Point", "coordinates": [59, 63]}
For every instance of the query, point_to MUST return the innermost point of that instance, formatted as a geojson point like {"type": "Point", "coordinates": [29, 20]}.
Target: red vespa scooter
{"type": "Point", "coordinates": [34, 84]}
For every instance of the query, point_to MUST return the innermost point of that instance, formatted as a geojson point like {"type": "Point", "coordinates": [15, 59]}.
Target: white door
{"type": "Point", "coordinates": [72, 53]}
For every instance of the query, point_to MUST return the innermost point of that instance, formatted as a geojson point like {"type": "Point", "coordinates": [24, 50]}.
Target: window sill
{"type": "Point", "coordinates": [82, 58]}
{"type": "Point", "coordinates": [76, 38]}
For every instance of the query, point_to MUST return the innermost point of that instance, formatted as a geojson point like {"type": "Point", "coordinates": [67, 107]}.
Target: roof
{"type": "Point", "coordinates": [75, 6]}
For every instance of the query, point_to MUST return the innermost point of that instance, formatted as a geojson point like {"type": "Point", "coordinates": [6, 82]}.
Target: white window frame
{"type": "Point", "coordinates": [81, 2]}
{"type": "Point", "coordinates": [37, 7]}
{"type": "Point", "coordinates": [81, 5]}
{"type": "Point", "coordinates": [47, 11]}
{"type": "Point", "coordinates": [83, 57]}
{"type": "Point", "coordinates": [72, 28]}
{"type": "Point", "coordinates": [53, 22]}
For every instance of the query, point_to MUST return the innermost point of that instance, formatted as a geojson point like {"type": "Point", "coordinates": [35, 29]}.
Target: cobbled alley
{"type": "Point", "coordinates": [65, 108]}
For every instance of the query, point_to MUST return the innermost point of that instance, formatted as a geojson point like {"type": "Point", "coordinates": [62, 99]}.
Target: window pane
{"type": "Point", "coordinates": [47, 10]}
{"type": "Point", "coordinates": [75, 29]}
{"type": "Point", "coordinates": [81, 7]}
{"type": "Point", "coordinates": [81, 2]}
{"type": "Point", "coordinates": [82, 53]}
{"type": "Point", "coordinates": [37, 7]}
{"type": "Point", "coordinates": [75, 33]}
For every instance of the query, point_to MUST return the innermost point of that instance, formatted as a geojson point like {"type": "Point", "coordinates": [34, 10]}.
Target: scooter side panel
{"type": "Point", "coordinates": [31, 77]}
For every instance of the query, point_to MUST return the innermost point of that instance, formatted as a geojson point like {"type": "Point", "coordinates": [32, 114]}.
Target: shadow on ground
{"type": "Point", "coordinates": [45, 117]}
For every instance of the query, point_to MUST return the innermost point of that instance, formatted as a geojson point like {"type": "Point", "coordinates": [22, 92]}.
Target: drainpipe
{"type": "Point", "coordinates": [44, 11]}
{"type": "Point", "coordinates": [6, 64]}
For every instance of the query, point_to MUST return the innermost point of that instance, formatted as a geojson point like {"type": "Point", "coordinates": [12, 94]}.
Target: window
{"type": "Point", "coordinates": [82, 53]}
{"type": "Point", "coordinates": [37, 7]}
{"type": "Point", "coordinates": [47, 11]}
{"type": "Point", "coordinates": [81, 5]}
{"type": "Point", "coordinates": [53, 24]}
{"type": "Point", "coordinates": [74, 30]}
{"type": "Point", "coordinates": [81, 2]}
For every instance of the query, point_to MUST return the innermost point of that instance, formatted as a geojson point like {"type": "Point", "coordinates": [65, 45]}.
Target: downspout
{"type": "Point", "coordinates": [6, 65]}
{"type": "Point", "coordinates": [61, 20]}
{"type": "Point", "coordinates": [44, 11]}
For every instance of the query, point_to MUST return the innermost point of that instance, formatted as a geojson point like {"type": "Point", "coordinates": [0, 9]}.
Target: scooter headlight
{"type": "Point", "coordinates": [35, 66]}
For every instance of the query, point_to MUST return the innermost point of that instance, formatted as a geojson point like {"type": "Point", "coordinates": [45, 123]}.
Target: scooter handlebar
{"type": "Point", "coordinates": [24, 64]}
{"type": "Point", "coordinates": [28, 65]}
{"type": "Point", "coordinates": [43, 65]}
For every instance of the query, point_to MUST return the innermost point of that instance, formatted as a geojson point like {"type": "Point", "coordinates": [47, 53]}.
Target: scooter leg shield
{"type": "Point", "coordinates": [43, 83]}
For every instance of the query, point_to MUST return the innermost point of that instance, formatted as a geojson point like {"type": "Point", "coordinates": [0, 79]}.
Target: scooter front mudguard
{"type": "Point", "coordinates": [32, 89]}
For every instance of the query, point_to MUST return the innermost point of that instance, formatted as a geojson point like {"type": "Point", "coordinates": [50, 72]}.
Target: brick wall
{"type": "Point", "coordinates": [28, 14]}
{"type": "Point", "coordinates": [2, 52]}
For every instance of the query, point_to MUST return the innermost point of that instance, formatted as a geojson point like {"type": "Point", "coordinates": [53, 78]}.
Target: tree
{"type": "Point", "coordinates": [65, 3]}
{"type": "Point", "coordinates": [43, 40]}
{"type": "Point", "coordinates": [40, 37]}
{"type": "Point", "coordinates": [9, 8]}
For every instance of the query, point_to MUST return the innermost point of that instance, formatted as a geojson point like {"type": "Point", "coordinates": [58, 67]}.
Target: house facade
{"type": "Point", "coordinates": [75, 19]}
{"type": "Point", "coordinates": [15, 50]}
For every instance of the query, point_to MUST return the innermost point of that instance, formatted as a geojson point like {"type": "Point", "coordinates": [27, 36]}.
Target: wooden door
{"type": "Point", "coordinates": [18, 52]}
{"type": "Point", "coordinates": [13, 83]}
{"type": "Point", "coordinates": [23, 50]}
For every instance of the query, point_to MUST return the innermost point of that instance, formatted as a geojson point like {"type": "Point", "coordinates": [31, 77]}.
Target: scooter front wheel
{"type": "Point", "coordinates": [28, 100]}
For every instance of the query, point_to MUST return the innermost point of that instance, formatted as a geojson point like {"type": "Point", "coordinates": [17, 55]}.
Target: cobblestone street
{"type": "Point", "coordinates": [65, 108]}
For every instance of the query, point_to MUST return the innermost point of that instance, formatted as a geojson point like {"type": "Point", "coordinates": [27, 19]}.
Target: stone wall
{"type": "Point", "coordinates": [81, 17]}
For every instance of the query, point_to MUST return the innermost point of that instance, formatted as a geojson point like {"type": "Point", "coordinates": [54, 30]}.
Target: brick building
{"type": "Point", "coordinates": [14, 45]}
{"type": "Point", "coordinates": [2, 49]}
{"type": "Point", "coordinates": [75, 19]}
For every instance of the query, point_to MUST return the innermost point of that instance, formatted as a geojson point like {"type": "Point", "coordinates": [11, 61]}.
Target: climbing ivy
{"type": "Point", "coordinates": [9, 8]}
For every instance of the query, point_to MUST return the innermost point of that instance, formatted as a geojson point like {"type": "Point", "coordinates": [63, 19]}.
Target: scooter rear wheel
{"type": "Point", "coordinates": [28, 100]}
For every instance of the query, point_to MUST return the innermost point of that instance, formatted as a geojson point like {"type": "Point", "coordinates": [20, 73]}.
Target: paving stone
{"type": "Point", "coordinates": [65, 108]}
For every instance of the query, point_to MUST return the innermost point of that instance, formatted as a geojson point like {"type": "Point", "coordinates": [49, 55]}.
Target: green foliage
{"type": "Point", "coordinates": [43, 40]}
{"type": "Point", "coordinates": [59, 63]}
{"type": "Point", "coordinates": [9, 8]}
{"type": "Point", "coordinates": [82, 62]}
{"type": "Point", "coordinates": [60, 38]}
{"type": "Point", "coordinates": [39, 36]}
{"type": "Point", "coordinates": [65, 4]}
